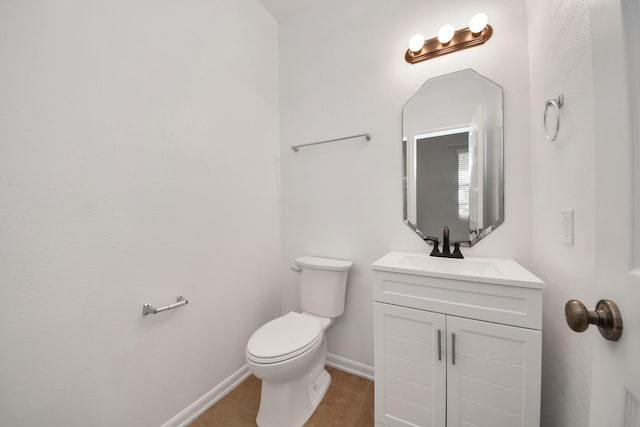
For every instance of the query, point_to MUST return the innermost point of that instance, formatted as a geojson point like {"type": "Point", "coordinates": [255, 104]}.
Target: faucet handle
{"type": "Point", "coordinates": [434, 242]}
{"type": "Point", "coordinates": [456, 251]}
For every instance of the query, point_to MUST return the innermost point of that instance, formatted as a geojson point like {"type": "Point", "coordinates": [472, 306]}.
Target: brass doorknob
{"type": "Point", "coordinates": [606, 316]}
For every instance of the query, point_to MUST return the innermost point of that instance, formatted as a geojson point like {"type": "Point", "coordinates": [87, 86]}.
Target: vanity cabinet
{"type": "Point", "coordinates": [456, 343]}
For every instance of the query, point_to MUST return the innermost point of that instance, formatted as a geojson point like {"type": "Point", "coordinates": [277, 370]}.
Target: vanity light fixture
{"type": "Point", "coordinates": [449, 40]}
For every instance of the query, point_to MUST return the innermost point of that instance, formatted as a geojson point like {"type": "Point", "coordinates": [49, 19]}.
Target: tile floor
{"type": "Point", "coordinates": [348, 403]}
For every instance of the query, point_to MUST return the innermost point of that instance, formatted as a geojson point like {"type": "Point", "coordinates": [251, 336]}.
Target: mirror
{"type": "Point", "coordinates": [452, 146]}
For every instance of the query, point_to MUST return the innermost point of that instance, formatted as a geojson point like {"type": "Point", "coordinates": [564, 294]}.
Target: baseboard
{"type": "Point", "coordinates": [350, 366]}
{"type": "Point", "coordinates": [193, 411]}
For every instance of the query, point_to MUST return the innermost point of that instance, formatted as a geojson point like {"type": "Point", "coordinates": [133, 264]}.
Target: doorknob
{"type": "Point", "coordinates": [606, 316]}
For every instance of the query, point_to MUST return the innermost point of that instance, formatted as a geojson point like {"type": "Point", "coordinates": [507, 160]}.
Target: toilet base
{"type": "Point", "coordinates": [319, 389]}
{"type": "Point", "coordinates": [282, 405]}
{"type": "Point", "coordinates": [291, 403]}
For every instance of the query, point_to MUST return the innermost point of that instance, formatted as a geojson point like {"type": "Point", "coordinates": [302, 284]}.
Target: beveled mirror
{"type": "Point", "coordinates": [452, 146]}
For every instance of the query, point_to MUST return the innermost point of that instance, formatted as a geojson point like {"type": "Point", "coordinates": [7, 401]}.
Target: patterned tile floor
{"type": "Point", "coordinates": [348, 403]}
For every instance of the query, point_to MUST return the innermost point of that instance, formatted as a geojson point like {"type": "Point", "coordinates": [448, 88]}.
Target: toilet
{"type": "Point", "coordinates": [288, 353]}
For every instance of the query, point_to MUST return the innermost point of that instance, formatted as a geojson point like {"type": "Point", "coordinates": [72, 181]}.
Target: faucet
{"type": "Point", "coordinates": [446, 249]}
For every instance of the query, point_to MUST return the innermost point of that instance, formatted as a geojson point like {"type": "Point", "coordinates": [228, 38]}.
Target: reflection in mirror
{"type": "Point", "coordinates": [453, 158]}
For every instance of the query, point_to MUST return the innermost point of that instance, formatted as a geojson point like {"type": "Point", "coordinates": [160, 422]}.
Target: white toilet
{"type": "Point", "coordinates": [288, 353]}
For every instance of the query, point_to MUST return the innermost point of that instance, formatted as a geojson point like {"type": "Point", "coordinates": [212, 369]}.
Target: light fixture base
{"type": "Point", "coordinates": [462, 39]}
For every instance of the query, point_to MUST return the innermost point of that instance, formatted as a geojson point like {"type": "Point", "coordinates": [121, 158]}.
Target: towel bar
{"type": "Point", "coordinates": [149, 309]}
{"type": "Point", "coordinates": [364, 135]}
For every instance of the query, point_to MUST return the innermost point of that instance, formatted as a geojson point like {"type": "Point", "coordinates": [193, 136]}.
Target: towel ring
{"type": "Point", "coordinates": [557, 104]}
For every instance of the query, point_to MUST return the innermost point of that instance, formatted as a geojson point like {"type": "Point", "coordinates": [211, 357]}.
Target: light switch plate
{"type": "Point", "coordinates": [567, 226]}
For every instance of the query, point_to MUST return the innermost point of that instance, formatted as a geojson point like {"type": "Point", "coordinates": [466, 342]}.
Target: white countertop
{"type": "Point", "coordinates": [500, 271]}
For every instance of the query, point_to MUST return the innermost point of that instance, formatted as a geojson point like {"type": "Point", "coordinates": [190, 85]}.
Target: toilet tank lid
{"type": "Point", "coordinates": [323, 263]}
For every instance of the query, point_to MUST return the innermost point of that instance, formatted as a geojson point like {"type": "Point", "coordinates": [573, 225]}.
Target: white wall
{"type": "Point", "coordinates": [342, 71]}
{"type": "Point", "coordinates": [137, 161]}
{"type": "Point", "coordinates": [563, 177]}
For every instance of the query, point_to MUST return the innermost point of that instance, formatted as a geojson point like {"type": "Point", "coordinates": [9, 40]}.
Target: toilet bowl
{"type": "Point", "coordinates": [288, 353]}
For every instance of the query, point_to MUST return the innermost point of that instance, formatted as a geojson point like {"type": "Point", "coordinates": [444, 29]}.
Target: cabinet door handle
{"type": "Point", "coordinates": [439, 345]}
{"type": "Point", "coordinates": [453, 348]}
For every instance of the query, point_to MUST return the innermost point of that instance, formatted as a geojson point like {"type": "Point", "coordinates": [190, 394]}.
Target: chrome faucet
{"type": "Point", "coordinates": [446, 249]}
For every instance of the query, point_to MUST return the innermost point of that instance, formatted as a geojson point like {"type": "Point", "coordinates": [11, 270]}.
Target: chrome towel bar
{"type": "Point", "coordinates": [149, 309]}
{"type": "Point", "coordinates": [365, 135]}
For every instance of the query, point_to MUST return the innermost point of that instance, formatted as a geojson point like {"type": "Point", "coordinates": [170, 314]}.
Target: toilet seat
{"type": "Point", "coordinates": [284, 338]}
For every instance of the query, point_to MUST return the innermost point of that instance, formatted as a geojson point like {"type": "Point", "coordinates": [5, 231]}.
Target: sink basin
{"type": "Point", "coordinates": [452, 266]}
{"type": "Point", "coordinates": [499, 271]}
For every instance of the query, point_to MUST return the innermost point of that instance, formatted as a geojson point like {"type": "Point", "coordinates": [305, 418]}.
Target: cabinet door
{"type": "Point", "coordinates": [410, 379]}
{"type": "Point", "coordinates": [495, 381]}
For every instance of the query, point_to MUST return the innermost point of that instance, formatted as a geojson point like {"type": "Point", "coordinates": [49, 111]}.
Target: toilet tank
{"type": "Point", "coordinates": [323, 285]}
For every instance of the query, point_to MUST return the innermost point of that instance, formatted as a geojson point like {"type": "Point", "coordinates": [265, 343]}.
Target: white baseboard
{"type": "Point", "coordinates": [348, 365]}
{"type": "Point", "coordinates": [193, 411]}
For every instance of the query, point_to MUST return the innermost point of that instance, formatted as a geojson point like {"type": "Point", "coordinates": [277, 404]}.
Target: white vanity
{"type": "Point", "coordinates": [457, 342]}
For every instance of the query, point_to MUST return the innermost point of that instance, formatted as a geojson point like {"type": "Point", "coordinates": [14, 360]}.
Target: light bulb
{"type": "Point", "coordinates": [416, 42]}
{"type": "Point", "coordinates": [445, 34]}
{"type": "Point", "coordinates": [478, 23]}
